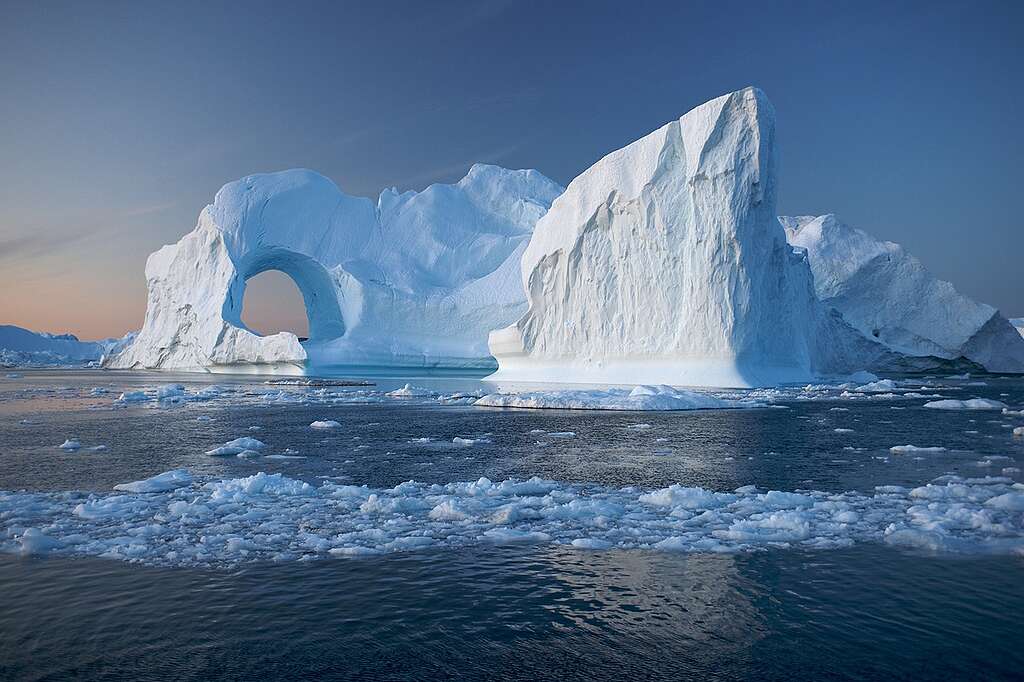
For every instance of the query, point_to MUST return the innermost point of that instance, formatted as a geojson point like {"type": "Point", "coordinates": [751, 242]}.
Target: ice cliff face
{"type": "Point", "coordinates": [415, 279]}
{"type": "Point", "coordinates": [664, 263]}
{"type": "Point", "coordinates": [887, 294]}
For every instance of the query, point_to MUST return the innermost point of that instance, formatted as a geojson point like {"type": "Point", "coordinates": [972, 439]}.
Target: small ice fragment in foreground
{"type": "Point", "coordinates": [904, 449]}
{"type": "Point", "coordinates": [425, 439]}
{"type": "Point", "coordinates": [562, 434]}
{"type": "Point", "coordinates": [97, 448]}
{"type": "Point", "coordinates": [590, 543]}
{"type": "Point", "coordinates": [237, 446]}
{"type": "Point", "coordinates": [469, 441]}
{"type": "Point", "coordinates": [638, 427]}
{"type": "Point", "coordinates": [169, 480]}
{"type": "Point", "coordinates": [204, 418]}
{"type": "Point", "coordinates": [972, 404]}
{"type": "Point", "coordinates": [34, 541]}
{"type": "Point", "coordinates": [255, 428]}
{"type": "Point", "coordinates": [409, 391]}
{"type": "Point", "coordinates": [133, 397]}
{"type": "Point", "coordinates": [70, 444]}
{"type": "Point", "coordinates": [843, 430]}
{"type": "Point", "coordinates": [324, 424]}
{"type": "Point", "coordinates": [1019, 431]}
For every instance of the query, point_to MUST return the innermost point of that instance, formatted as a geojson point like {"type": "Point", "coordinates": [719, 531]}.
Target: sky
{"type": "Point", "coordinates": [119, 121]}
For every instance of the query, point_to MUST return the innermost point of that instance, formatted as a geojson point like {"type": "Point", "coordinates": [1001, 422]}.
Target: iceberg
{"type": "Point", "coordinates": [887, 294]}
{"type": "Point", "coordinates": [415, 279]}
{"type": "Point", "coordinates": [1018, 324]}
{"type": "Point", "coordinates": [664, 263]}
{"type": "Point", "coordinates": [21, 347]}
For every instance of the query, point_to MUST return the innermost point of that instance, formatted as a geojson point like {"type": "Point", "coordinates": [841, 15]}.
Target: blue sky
{"type": "Point", "coordinates": [121, 120]}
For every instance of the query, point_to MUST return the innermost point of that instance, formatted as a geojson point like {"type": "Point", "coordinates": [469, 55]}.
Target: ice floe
{"type": "Point", "coordinates": [972, 404]}
{"type": "Point", "coordinates": [913, 449]}
{"type": "Point", "coordinates": [172, 519]}
{"type": "Point", "coordinates": [237, 447]}
{"type": "Point", "coordinates": [324, 424]}
{"type": "Point", "coordinates": [639, 398]}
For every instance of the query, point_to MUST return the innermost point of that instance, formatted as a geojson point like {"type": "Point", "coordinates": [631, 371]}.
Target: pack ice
{"type": "Point", "coordinates": [664, 263]}
{"type": "Point", "coordinates": [413, 279]}
{"type": "Point", "coordinates": [887, 294]}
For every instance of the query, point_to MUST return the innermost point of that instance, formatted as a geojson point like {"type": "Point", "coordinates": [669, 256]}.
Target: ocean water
{"type": "Point", "coordinates": [795, 545]}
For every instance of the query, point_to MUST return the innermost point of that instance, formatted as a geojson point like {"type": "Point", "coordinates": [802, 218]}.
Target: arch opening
{"type": "Point", "coordinates": [315, 287]}
{"type": "Point", "coordinates": [272, 303]}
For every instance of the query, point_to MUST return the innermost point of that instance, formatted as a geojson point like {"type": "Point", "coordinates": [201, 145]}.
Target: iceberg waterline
{"type": "Point", "coordinates": [172, 519]}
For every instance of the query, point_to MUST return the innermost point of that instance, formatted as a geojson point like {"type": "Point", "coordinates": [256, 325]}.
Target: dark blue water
{"type": "Point", "coordinates": [539, 611]}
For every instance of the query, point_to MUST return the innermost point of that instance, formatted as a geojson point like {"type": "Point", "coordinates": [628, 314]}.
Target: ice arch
{"type": "Point", "coordinates": [312, 279]}
{"type": "Point", "coordinates": [415, 279]}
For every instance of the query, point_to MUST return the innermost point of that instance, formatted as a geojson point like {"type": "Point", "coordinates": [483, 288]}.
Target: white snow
{"type": "Point", "coordinates": [888, 295]}
{"type": "Point", "coordinates": [664, 262]}
{"type": "Point", "coordinates": [171, 519]}
{"type": "Point", "coordinates": [972, 404]}
{"type": "Point", "coordinates": [415, 279]}
{"type": "Point", "coordinates": [169, 480]}
{"type": "Point", "coordinates": [324, 424]}
{"type": "Point", "coordinates": [640, 398]}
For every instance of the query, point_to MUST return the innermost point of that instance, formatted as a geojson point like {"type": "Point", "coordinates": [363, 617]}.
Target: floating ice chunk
{"type": "Point", "coordinates": [1008, 501]}
{"type": "Point", "coordinates": [410, 391]}
{"type": "Point", "coordinates": [424, 439]}
{"type": "Point", "coordinates": [34, 541]}
{"type": "Point", "coordinates": [170, 391]}
{"type": "Point", "coordinates": [638, 427]}
{"type": "Point", "coordinates": [241, 489]}
{"type": "Point", "coordinates": [237, 446]}
{"type": "Point", "coordinates": [70, 444]}
{"type": "Point", "coordinates": [133, 397]}
{"type": "Point", "coordinates": [972, 404]}
{"type": "Point", "coordinates": [97, 448]}
{"type": "Point", "coordinates": [905, 449]}
{"type": "Point", "coordinates": [640, 398]}
{"type": "Point", "coordinates": [469, 441]}
{"type": "Point", "coordinates": [881, 386]}
{"type": "Point", "coordinates": [169, 480]}
{"type": "Point", "coordinates": [447, 511]}
{"type": "Point", "coordinates": [1019, 431]}
{"type": "Point", "coordinates": [324, 424]}
{"type": "Point", "coordinates": [507, 536]}
{"type": "Point", "coordinates": [843, 430]}
{"type": "Point", "coordinates": [688, 498]}
{"type": "Point", "coordinates": [590, 543]}
{"type": "Point", "coordinates": [561, 434]}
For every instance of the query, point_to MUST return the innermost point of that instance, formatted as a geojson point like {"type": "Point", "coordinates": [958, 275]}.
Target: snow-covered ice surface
{"type": "Point", "coordinates": [702, 543]}
{"type": "Point", "coordinates": [413, 279]}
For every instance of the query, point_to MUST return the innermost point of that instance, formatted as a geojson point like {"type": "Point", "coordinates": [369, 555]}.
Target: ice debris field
{"type": "Point", "coordinates": [182, 517]}
{"type": "Point", "coordinates": [172, 519]}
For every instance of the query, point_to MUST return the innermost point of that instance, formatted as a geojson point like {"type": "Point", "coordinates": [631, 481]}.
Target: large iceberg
{"type": "Point", "coordinates": [664, 262]}
{"type": "Point", "coordinates": [414, 279]}
{"type": "Point", "coordinates": [21, 347]}
{"type": "Point", "coordinates": [887, 294]}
